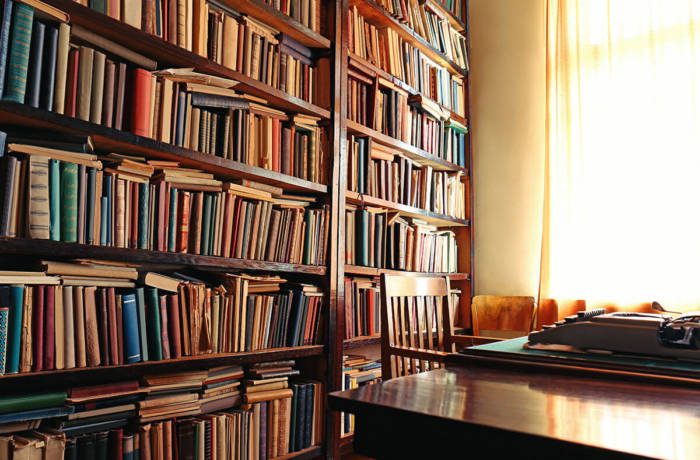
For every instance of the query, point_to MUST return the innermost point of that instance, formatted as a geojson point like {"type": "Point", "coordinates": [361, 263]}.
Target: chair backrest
{"type": "Point", "coordinates": [502, 316]}
{"type": "Point", "coordinates": [416, 323]}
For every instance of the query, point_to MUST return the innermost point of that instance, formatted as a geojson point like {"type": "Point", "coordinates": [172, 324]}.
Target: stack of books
{"type": "Point", "coordinates": [358, 370]}
{"type": "Point", "coordinates": [129, 202]}
{"type": "Point", "coordinates": [376, 238]}
{"type": "Point", "coordinates": [99, 408]}
{"type": "Point", "coordinates": [255, 49]}
{"type": "Point", "coordinates": [362, 308]}
{"type": "Point", "coordinates": [23, 412]}
{"type": "Point", "coordinates": [221, 389]}
{"type": "Point", "coordinates": [89, 313]}
{"type": "Point", "coordinates": [307, 12]}
{"type": "Point", "coordinates": [171, 395]}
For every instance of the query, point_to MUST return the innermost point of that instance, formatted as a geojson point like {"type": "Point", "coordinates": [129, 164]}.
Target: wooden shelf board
{"type": "Point", "coordinates": [109, 139]}
{"type": "Point", "coordinates": [170, 55]}
{"type": "Point", "coordinates": [402, 84]}
{"type": "Point", "coordinates": [362, 341]}
{"type": "Point", "coordinates": [379, 16]}
{"type": "Point", "coordinates": [280, 21]}
{"type": "Point", "coordinates": [59, 249]}
{"type": "Point", "coordinates": [429, 216]}
{"type": "Point", "coordinates": [414, 153]}
{"type": "Point", "coordinates": [308, 453]}
{"type": "Point", "coordinates": [127, 371]}
{"type": "Point", "coordinates": [371, 271]}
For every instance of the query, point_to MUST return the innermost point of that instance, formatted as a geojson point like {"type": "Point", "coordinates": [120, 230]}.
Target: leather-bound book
{"type": "Point", "coordinates": [155, 351]}
{"type": "Point", "coordinates": [108, 94]}
{"type": "Point", "coordinates": [79, 327]}
{"type": "Point", "coordinates": [184, 221]}
{"type": "Point", "coordinates": [131, 329]}
{"type": "Point", "coordinates": [97, 86]}
{"type": "Point", "coordinates": [120, 96]}
{"type": "Point", "coordinates": [112, 323]}
{"type": "Point", "coordinates": [174, 323]}
{"type": "Point", "coordinates": [85, 70]}
{"type": "Point", "coordinates": [59, 329]}
{"type": "Point", "coordinates": [92, 341]}
{"type": "Point", "coordinates": [72, 72]}
{"type": "Point", "coordinates": [140, 102]}
{"type": "Point", "coordinates": [48, 77]}
{"type": "Point", "coordinates": [164, 335]}
{"type": "Point", "coordinates": [62, 49]}
{"type": "Point", "coordinates": [38, 218]}
{"type": "Point", "coordinates": [131, 13]}
{"type": "Point", "coordinates": [120, 328]}
{"type": "Point", "coordinates": [38, 323]}
{"type": "Point", "coordinates": [148, 16]}
{"type": "Point", "coordinates": [103, 324]}
{"type": "Point", "coordinates": [114, 9]}
{"type": "Point", "coordinates": [69, 202]}
{"type": "Point", "coordinates": [82, 203]}
{"type": "Point", "coordinates": [18, 59]}
{"type": "Point", "coordinates": [5, 27]}
{"type": "Point", "coordinates": [69, 328]}
{"type": "Point", "coordinates": [116, 446]}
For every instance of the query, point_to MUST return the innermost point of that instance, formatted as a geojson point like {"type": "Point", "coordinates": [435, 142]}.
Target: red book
{"type": "Point", "coordinates": [113, 9]}
{"type": "Point", "coordinates": [276, 144]}
{"type": "Point", "coordinates": [174, 324]}
{"type": "Point", "coordinates": [103, 324]}
{"type": "Point", "coordinates": [49, 332]}
{"type": "Point", "coordinates": [141, 102]}
{"type": "Point", "coordinates": [39, 327]}
{"type": "Point", "coordinates": [164, 338]}
{"type": "Point", "coordinates": [72, 83]}
{"type": "Point", "coordinates": [184, 224]}
{"type": "Point", "coordinates": [103, 389]}
{"type": "Point", "coordinates": [370, 311]}
{"type": "Point", "coordinates": [112, 314]}
{"type": "Point", "coordinates": [116, 440]}
{"type": "Point", "coordinates": [163, 200]}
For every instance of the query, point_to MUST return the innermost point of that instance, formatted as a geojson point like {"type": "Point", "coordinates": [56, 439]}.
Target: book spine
{"type": "Point", "coordinates": [39, 328]}
{"type": "Point", "coordinates": [4, 317]}
{"type": "Point", "coordinates": [38, 209]}
{"type": "Point", "coordinates": [36, 61]}
{"type": "Point", "coordinates": [143, 334]}
{"type": "Point", "coordinates": [69, 202]}
{"type": "Point", "coordinates": [5, 40]}
{"type": "Point", "coordinates": [14, 331]}
{"type": "Point", "coordinates": [18, 61]}
{"type": "Point", "coordinates": [131, 329]}
{"type": "Point", "coordinates": [155, 351]}
{"type": "Point", "coordinates": [143, 216]}
{"type": "Point", "coordinates": [141, 102]}
{"type": "Point", "coordinates": [62, 49]}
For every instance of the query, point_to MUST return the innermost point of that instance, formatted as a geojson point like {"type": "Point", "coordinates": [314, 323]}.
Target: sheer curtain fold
{"type": "Point", "coordinates": [622, 194]}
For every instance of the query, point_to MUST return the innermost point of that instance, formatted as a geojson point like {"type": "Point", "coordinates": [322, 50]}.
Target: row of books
{"type": "Point", "coordinates": [432, 25]}
{"type": "Point", "coordinates": [362, 307]}
{"type": "Point", "coordinates": [358, 370]}
{"type": "Point", "coordinates": [255, 49]}
{"type": "Point", "coordinates": [379, 171]}
{"type": "Point", "coordinates": [75, 72]}
{"type": "Point", "coordinates": [203, 113]}
{"type": "Point", "coordinates": [129, 202]}
{"type": "Point", "coordinates": [384, 48]}
{"type": "Point", "coordinates": [307, 12]}
{"type": "Point", "coordinates": [220, 413]}
{"type": "Point", "coordinates": [87, 314]}
{"type": "Point", "coordinates": [380, 239]}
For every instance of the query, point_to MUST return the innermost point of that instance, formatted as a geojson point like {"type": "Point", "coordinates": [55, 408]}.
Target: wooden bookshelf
{"type": "Point", "coordinates": [362, 341]}
{"type": "Point", "coordinates": [371, 271]}
{"type": "Point", "coordinates": [455, 21]}
{"type": "Point", "coordinates": [409, 211]}
{"type": "Point", "coordinates": [306, 454]}
{"type": "Point", "coordinates": [109, 139]}
{"type": "Point", "coordinates": [414, 153]}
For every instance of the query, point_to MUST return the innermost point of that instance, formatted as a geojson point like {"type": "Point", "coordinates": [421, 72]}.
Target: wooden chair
{"type": "Point", "coordinates": [417, 327]}
{"type": "Point", "coordinates": [502, 317]}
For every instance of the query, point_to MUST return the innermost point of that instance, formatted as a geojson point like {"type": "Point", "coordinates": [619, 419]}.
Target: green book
{"type": "Point", "coordinates": [141, 311]}
{"type": "Point", "coordinates": [55, 199]}
{"type": "Point", "coordinates": [14, 325]}
{"type": "Point", "coordinates": [172, 220]}
{"type": "Point", "coordinates": [206, 225]}
{"type": "Point", "coordinates": [69, 202]}
{"type": "Point", "coordinates": [99, 6]}
{"type": "Point", "coordinates": [361, 237]}
{"type": "Point", "coordinates": [18, 61]}
{"type": "Point", "coordinates": [155, 351]}
{"type": "Point", "coordinates": [143, 215]}
{"type": "Point", "coordinates": [33, 401]}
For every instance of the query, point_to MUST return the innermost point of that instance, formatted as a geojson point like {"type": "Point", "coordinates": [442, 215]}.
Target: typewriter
{"type": "Point", "coordinates": [640, 334]}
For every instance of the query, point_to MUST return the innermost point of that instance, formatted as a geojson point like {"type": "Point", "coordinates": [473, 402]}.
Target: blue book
{"type": "Point", "coordinates": [55, 199]}
{"type": "Point", "coordinates": [4, 314]}
{"type": "Point", "coordinates": [104, 209]}
{"type": "Point", "coordinates": [35, 414]}
{"type": "Point", "coordinates": [172, 223]}
{"type": "Point", "coordinates": [3, 142]}
{"type": "Point", "coordinates": [132, 340]}
{"type": "Point", "coordinates": [5, 41]}
{"type": "Point", "coordinates": [295, 318]}
{"type": "Point", "coordinates": [301, 419]}
{"type": "Point", "coordinates": [36, 62]}
{"type": "Point", "coordinates": [141, 310]}
{"type": "Point", "coordinates": [144, 201]}
{"type": "Point", "coordinates": [14, 336]}
{"type": "Point", "coordinates": [48, 78]}
{"type": "Point", "coordinates": [310, 390]}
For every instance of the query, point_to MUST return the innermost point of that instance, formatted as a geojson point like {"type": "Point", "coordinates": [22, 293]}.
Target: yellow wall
{"type": "Point", "coordinates": [508, 129]}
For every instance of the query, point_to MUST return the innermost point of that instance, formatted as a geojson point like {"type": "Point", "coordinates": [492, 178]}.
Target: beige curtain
{"type": "Point", "coordinates": [622, 197]}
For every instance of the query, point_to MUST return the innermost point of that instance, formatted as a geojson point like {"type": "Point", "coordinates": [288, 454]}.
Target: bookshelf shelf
{"type": "Point", "coordinates": [110, 139]}
{"type": "Point", "coordinates": [400, 83]}
{"type": "Point", "coordinates": [371, 271]}
{"type": "Point", "coordinates": [414, 153]}
{"type": "Point", "coordinates": [456, 21]}
{"type": "Point", "coordinates": [362, 341]}
{"type": "Point", "coordinates": [429, 216]}
{"type": "Point", "coordinates": [169, 55]}
{"type": "Point", "coordinates": [171, 365]}
{"type": "Point", "coordinates": [48, 248]}
{"type": "Point", "coordinates": [308, 453]}
{"type": "Point", "coordinates": [380, 16]}
{"type": "Point", "coordinates": [280, 21]}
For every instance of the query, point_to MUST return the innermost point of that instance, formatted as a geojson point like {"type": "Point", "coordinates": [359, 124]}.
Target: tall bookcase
{"type": "Point", "coordinates": [329, 46]}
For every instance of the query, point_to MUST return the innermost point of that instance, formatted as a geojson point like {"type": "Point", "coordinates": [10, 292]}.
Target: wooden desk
{"type": "Point", "coordinates": [449, 413]}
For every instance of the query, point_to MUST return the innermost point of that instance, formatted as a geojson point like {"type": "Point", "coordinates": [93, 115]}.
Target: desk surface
{"type": "Point", "coordinates": [639, 419]}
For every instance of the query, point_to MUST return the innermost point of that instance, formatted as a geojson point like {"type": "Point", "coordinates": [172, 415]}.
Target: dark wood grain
{"type": "Point", "coordinates": [280, 21]}
{"type": "Point", "coordinates": [109, 139]}
{"type": "Point", "coordinates": [524, 415]}
{"type": "Point", "coordinates": [169, 55]}
{"type": "Point", "coordinates": [431, 217]}
{"type": "Point", "coordinates": [414, 153]}
{"type": "Point", "coordinates": [57, 249]}
{"type": "Point", "coordinates": [362, 341]}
